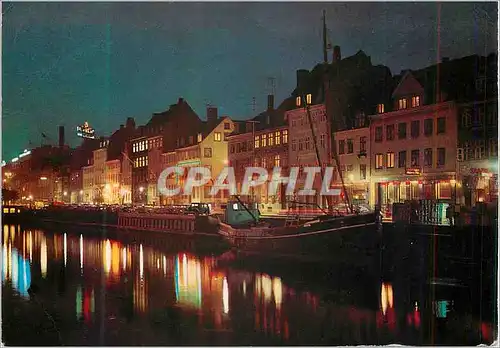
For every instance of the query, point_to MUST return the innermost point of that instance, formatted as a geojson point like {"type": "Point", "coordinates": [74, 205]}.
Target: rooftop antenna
{"type": "Point", "coordinates": [254, 102]}
{"type": "Point", "coordinates": [271, 85]}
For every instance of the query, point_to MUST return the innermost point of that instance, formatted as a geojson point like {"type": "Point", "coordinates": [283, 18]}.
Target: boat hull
{"type": "Point", "coordinates": [346, 239]}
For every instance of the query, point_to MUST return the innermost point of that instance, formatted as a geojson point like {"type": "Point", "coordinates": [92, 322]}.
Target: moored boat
{"type": "Point", "coordinates": [321, 239]}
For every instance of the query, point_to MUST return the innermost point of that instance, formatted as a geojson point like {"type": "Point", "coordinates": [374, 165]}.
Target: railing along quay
{"type": "Point", "coordinates": [157, 222]}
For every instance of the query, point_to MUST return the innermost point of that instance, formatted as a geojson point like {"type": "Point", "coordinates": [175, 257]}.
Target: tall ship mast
{"type": "Point", "coordinates": [330, 120]}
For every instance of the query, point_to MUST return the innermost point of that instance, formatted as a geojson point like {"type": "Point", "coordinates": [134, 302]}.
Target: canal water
{"type": "Point", "coordinates": [62, 287]}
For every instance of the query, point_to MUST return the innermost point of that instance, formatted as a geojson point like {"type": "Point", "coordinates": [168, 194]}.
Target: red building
{"type": "Point", "coordinates": [413, 147]}
{"type": "Point", "coordinates": [262, 142]}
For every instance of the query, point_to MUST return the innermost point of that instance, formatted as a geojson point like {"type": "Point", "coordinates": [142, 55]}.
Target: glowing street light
{"type": "Point", "coordinates": [65, 193]}
{"type": "Point", "coordinates": [43, 178]}
{"type": "Point", "coordinates": [141, 189]}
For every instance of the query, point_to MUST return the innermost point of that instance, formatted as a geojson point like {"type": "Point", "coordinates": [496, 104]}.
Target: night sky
{"type": "Point", "coordinates": [65, 63]}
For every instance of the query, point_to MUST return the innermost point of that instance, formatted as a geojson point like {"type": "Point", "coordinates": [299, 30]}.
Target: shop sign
{"type": "Point", "coordinates": [479, 171]}
{"type": "Point", "coordinates": [413, 171]}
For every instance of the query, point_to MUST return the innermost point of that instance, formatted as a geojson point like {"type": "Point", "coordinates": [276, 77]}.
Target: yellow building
{"type": "Point", "coordinates": [211, 152]}
{"type": "Point", "coordinates": [112, 185]}
{"type": "Point", "coordinates": [88, 184]}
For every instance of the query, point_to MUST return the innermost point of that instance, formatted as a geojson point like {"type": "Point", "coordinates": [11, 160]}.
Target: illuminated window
{"type": "Point", "coordinates": [285, 136]}
{"type": "Point", "coordinates": [263, 141]}
{"type": "Point", "coordinates": [199, 137]}
{"type": "Point", "coordinates": [277, 160]}
{"type": "Point", "coordinates": [257, 141]}
{"type": "Point", "coordinates": [277, 137]}
{"type": "Point", "coordinates": [270, 139]}
{"type": "Point", "coordinates": [380, 108]}
{"type": "Point", "coordinates": [218, 136]}
{"type": "Point", "coordinates": [415, 101]}
{"type": "Point", "coordinates": [309, 99]}
{"type": "Point", "coordinates": [264, 162]}
{"type": "Point", "coordinates": [297, 101]}
{"type": "Point", "coordinates": [390, 160]}
{"type": "Point", "coordinates": [401, 104]}
{"type": "Point", "coordinates": [379, 161]}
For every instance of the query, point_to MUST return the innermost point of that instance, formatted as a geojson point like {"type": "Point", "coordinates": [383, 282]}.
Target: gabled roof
{"type": "Point", "coordinates": [407, 85]}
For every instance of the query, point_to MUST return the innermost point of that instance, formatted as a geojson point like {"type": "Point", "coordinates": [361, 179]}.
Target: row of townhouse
{"type": "Point", "coordinates": [419, 141]}
{"type": "Point", "coordinates": [429, 133]}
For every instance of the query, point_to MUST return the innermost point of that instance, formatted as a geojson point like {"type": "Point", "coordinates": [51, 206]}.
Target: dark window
{"type": "Point", "coordinates": [389, 132]}
{"type": "Point", "coordinates": [362, 171]}
{"type": "Point", "coordinates": [415, 129]}
{"type": "Point", "coordinates": [341, 147]}
{"type": "Point", "coordinates": [208, 152]}
{"type": "Point", "coordinates": [378, 134]}
{"type": "Point", "coordinates": [350, 146]}
{"type": "Point", "coordinates": [428, 127]}
{"type": "Point", "coordinates": [402, 159]}
{"type": "Point", "coordinates": [428, 157]}
{"type": "Point", "coordinates": [441, 156]}
{"type": "Point", "coordinates": [232, 148]}
{"type": "Point", "coordinates": [362, 144]}
{"type": "Point", "coordinates": [415, 160]}
{"type": "Point", "coordinates": [227, 125]}
{"type": "Point", "coordinates": [402, 130]}
{"type": "Point", "coordinates": [441, 125]}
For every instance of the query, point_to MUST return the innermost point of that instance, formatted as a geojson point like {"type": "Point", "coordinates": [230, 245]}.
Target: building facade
{"type": "Point", "coordinates": [353, 148]}
{"type": "Point", "coordinates": [413, 148]}
{"type": "Point", "coordinates": [307, 142]}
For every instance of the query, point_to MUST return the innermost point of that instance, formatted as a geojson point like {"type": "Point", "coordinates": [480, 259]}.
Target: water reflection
{"type": "Point", "coordinates": [16, 270]}
{"type": "Point", "coordinates": [135, 287]}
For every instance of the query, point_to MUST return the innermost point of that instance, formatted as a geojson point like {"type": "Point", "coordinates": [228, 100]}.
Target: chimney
{"type": "Point", "coordinates": [130, 122]}
{"type": "Point", "coordinates": [336, 54]}
{"type": "Point", "coordinates": [445, 59]}
{"type": "Point", "coordinates": [61, 136]}
{"type": "Point", "coordinates": [270, 102]}
{"type": "Point", "coordinates": [122, 126]}
{"type": "Point", "coordinates": [212, 115]}
{"type": "Point", "coordinates": [180, 101]}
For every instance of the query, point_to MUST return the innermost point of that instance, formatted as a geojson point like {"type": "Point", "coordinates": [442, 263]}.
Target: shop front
{"type": "Point", "coordinates": [437, 188]}
{"type": "Point", "coordinates": [479, 182]}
